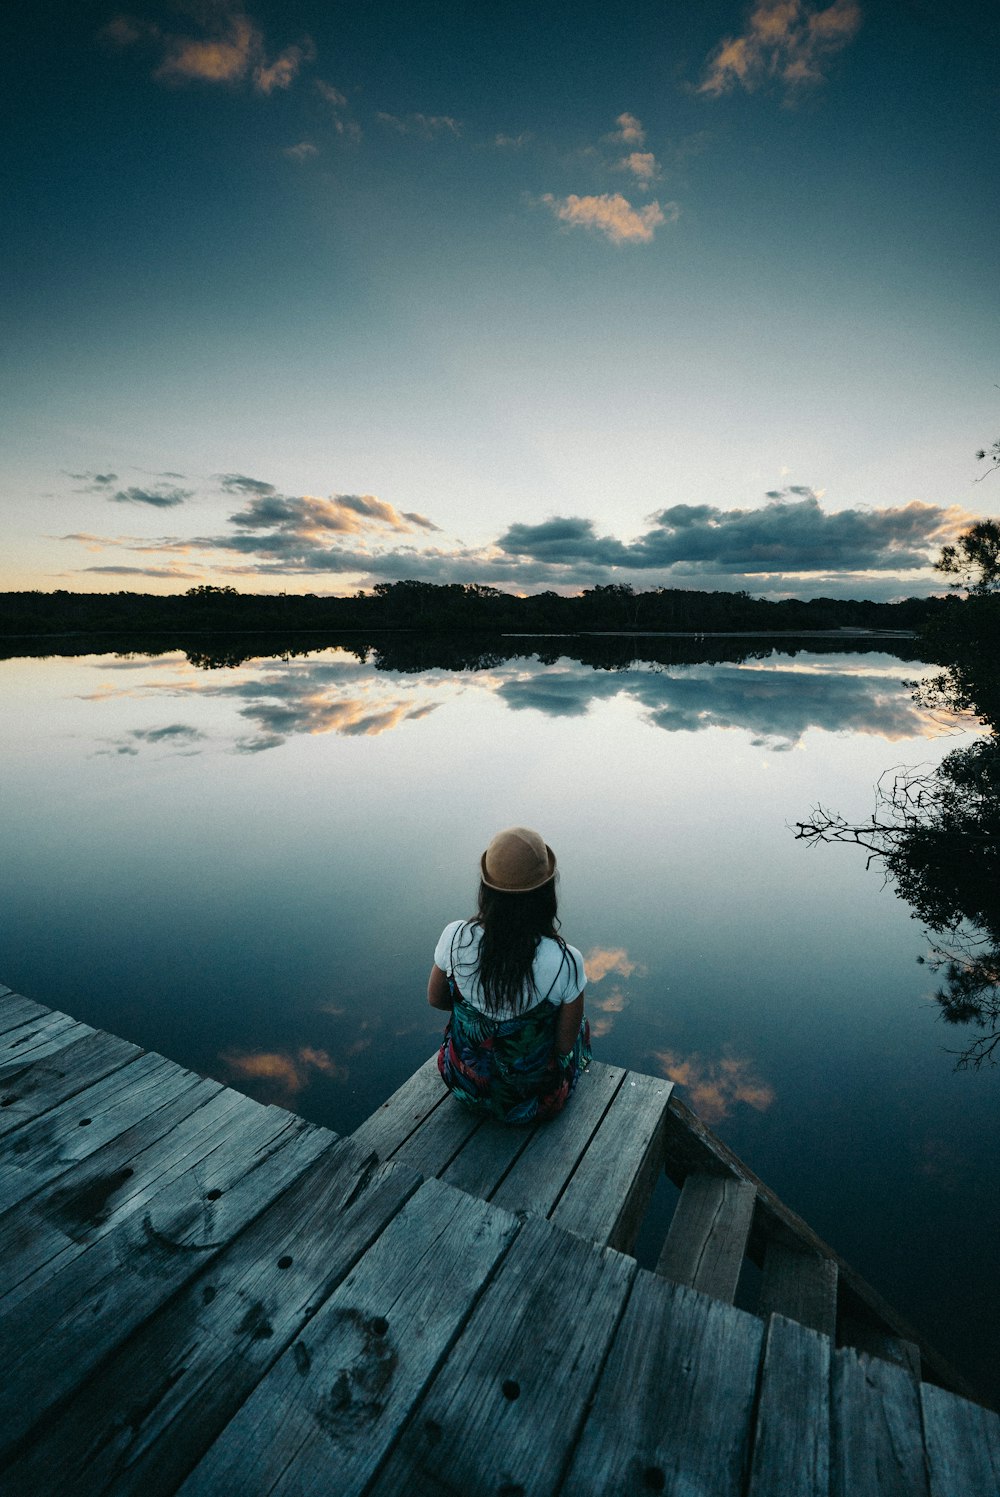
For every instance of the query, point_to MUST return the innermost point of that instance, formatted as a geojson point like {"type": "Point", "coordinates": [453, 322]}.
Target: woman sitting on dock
{"type": "Point", "coordinates": [517, 1038]}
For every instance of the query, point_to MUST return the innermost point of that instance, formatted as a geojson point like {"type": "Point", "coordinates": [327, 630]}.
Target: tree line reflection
{"type": "Point", "coordinates": [936, 833]}
{"type": "Point", "coordinates": [776, 694]}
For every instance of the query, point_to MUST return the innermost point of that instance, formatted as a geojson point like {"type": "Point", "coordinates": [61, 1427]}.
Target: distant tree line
{"type": "Point", "coordinates": [450, 608]}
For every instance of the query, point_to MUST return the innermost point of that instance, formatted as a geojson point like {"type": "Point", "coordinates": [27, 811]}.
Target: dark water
{"type": "Point", "coordinates": [247, 868]}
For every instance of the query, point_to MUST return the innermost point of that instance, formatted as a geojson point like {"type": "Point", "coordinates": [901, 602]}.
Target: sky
{"type": "Point", "coordinates": [305, 298]}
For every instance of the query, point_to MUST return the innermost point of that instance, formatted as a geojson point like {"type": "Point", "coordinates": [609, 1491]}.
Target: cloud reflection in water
{"type": "Point", "coordinates": [776, 700]}
{"type": "Point", "coordinates": [280, 1075]}
{"type": "Point", "coordinates": [715, 1086]}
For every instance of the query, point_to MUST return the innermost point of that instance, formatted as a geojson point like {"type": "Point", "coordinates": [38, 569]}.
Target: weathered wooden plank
{"type": "Point", "coordinates": [539, 1175]}
{"type": "Point", "coordinates": [16, 1010]}
{"type": "Point", "coordinates": [486, 1157]}
{"type": "Point", "coordinates": [799, 1285]}
{"type": "Point", "coordinates": [432, 1147]}
{"type": "Point", "coordinates": [390, 1125]}
{"type": "Point", "coordinates": [607, 1196]}
{"type": "Point", "coordinates": [78, 1127]}
{"type": "Point", "coordinates": [36, 1087]}
{"type": "Point", "coordinates": [962, 1441]}
{"type": "Point", "coordinates": [708, 1234]}
{"type": "Point", "coordinates": [503, 1412]}
{"type": "Point", "coordinates": [692, 1147]}
{"type": "Point", "coordinates": [791, 1447]}
{"type": "Point", "coordinates": [878, 1342]}
{"type": "Point", "coordinates": [672, 1411]}
{"type": "Point", "coordinates": [53, 1339]}
{"type": "Point", "coordinates": [328, 1411]}
{"type": "Point", "coordinates": [149, 1415]}
{"type": "Point", "coordinates": [877, 1449]}
{"type": "Point", "coordinates": [43, 1235]}
{"type": "Point", "coordinates": [36, 1038]}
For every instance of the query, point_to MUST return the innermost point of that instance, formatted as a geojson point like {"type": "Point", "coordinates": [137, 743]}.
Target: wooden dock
{"type": "Point", "coordinates": [201, 1294]}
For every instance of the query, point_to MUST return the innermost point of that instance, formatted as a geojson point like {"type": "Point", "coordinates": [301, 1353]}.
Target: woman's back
{"type": "Point", "coordinates": [517, 1037]}
{"type": "Point", "coordinates": [557, 973]}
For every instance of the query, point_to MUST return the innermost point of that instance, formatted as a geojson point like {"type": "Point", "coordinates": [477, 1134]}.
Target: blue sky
{"type": "Point", "coordinates": [302, 298]}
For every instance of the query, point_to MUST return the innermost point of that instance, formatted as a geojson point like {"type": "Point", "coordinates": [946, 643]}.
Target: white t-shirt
{"type": "Point", "coordinates": [558, 970]}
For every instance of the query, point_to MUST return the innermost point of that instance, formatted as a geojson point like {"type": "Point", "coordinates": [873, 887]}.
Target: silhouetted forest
{"type": "Point", "coordinates": [415, 626]}
{"type": "Point", "coordinates": [454, 607]}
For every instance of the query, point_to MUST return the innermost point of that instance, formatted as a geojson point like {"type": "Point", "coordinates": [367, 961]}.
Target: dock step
{"type": "Point", "coordinates": [880, 1343]}
{"type": "Point", "coordinates": [800, 1285]}
{"type": "Point", "coordinates": [708, 1234]}
{"type": "Point", "coordinates": [591, 1171]}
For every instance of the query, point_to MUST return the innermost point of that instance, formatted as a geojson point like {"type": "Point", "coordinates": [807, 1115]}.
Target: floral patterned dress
{"type": "Point", "coordinates": [508, 1068]}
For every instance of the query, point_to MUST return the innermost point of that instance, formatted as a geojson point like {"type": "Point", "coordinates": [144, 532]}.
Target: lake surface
{"type": "Point", "coordinates": [247, 868]}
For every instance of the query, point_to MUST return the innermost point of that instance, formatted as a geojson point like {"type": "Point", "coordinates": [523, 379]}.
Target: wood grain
{"type": "Point", "coordinates": [53, 1339]}
{"type": "Point", "coordinates": [326, 1414]}
{"type": "Point", "coordinates": [503, 1413]}
{"type": "Point", "coordinates": [672, 1411]}
{"type": "Point", "coordinates": [708, 1235]}
{"type": "Point", "coordinates": [877, 1444]}
{"type": "Point", "coordinates": [149, 1415]}
{"type": "Point", "coordinates": [791, 1447]}
{"type": "Point", "coordinates": [963, 1445]}
{"type": "Point", "coordinates": [390, 1125]}
{"type": "Point", "coordinates": [800, 1285]}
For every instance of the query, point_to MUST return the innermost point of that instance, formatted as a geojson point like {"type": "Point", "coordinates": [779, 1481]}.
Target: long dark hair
{"type": "Point", "coordinates": [512, 926]}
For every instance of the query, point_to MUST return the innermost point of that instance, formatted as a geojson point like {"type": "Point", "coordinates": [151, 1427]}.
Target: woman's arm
{"type": "Point", "coordinates": [568, 1024]}
{"type": "Point", "coordinates": [438, 991]}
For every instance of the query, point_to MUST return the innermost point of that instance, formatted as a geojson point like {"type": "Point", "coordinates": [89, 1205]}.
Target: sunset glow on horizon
{"type": "Point", "coordinates": [303, 301]}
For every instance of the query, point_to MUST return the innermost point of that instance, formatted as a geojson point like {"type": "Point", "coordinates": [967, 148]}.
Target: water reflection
{"type": "Point", "coordinates": [776, 696]}
{"type": "Point", "coordinates": [714, 1087]}
{"type": "Point", "coordinates": [777, 703]}
{"type": "Point", "coordinates": [600, 960]}
{"type": "Point", "coordinates": [936, 832]}
{"type": "Point", "coordinates": [279, 1076]}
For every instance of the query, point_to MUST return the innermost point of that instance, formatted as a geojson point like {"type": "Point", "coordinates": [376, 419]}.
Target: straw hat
{"type": "Point", "coordinates": [517, 860]}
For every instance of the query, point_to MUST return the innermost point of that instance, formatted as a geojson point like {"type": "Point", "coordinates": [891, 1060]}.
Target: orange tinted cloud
{"type": "Point", "coordinates": [786, 41]}
{"type": "Point", "coordinates": [279, 1076]}
{"type": "Point", "coordinates": [600, 960]}
{"type": "Point", "coordinates": [612, 215]}
{"type": "Point", "coordinates": [233, 51]}
{"type": "Point", "coordinates": [715, 1086]}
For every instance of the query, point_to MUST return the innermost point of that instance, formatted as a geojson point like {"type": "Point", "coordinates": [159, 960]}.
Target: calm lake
{"type": "Point", "coordinates": [246, 868]}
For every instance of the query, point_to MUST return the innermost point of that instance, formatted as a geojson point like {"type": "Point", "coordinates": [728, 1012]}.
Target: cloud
{"type": "Point", "coordinates": [338, 103]}
{"type": "Point", "coordinates": [775, 701]}
{"type": "Point", "coordinates": [282, 72]}
{"type": "Point", "coordinates": [643, 165]}
{"type": "Point", "coordinates": [159, 497]}
{"type": "Point", "coordinates": [513, 142]}
{"type": "Point", "coordinates": [715, 1086]}
{"type": "Point", "coordinates": [612, 215]}
{"type": "Point", "coordinates": [290, 527]}
{"type": "Point", "coordinates": [789, 534]}
{"type": "Point", "coordinates": [424, 126]}
{"type": "Point", "coordinates": [232, 50]}
{"type": "Point", "coordinates": [615, 1002]}
{"type": "Point", "coordinates": [172, 733]}
{"type": "Point", "coordinates": [787, 42]}
{"type": "Point", "coordinates": [301, 152]}
{"type": "Point", "coordinates": [280, 1075]}
{"type": "Point", "coordinates": [238, 483]}
{"type": "Point", "coordinates": [171, 573]}
{"type": "Point", "coordinates": [318, 699]}
{"type": "Point", "coordinates": [95, 483]}
{"type": "Point", "coordinates": [600, 960]}
{"type": "Point", "coordinates": [333, 96]}
{"type": "Point", "coordinates": [629, 132]}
